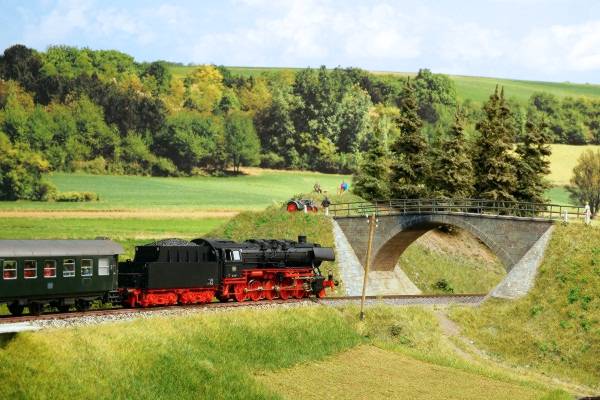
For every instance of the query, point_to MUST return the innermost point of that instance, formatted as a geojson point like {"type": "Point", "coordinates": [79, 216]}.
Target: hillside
{"type": "Point", "coordinates": [556, 328]}
{"type": "Point", "coordinates": [474, 88]}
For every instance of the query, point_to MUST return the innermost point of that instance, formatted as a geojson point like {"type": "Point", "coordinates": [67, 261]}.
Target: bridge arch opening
{"type": "Point", "coordinates": [441, 258]}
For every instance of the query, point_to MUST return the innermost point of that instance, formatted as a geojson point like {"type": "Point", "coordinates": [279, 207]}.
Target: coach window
{"type": "Point", "coordinates": [49, 269]}
{"type": "Point", "coordinates": [30, 269]}
{"type": "Point", "coordinates": [103, 268]}
{"type": "Point", "coordinates": [87, 268]}
{"type": "Point", "coordinates": [68, 268]}
{"type": "Point", "coordinates": [9, 270]}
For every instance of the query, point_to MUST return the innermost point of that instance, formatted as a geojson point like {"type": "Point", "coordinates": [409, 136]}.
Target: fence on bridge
{"type": "Point", "coordinates": [459, 206]}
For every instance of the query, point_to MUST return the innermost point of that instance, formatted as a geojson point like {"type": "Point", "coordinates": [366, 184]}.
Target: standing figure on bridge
{"type": "Point", "coordinates": [587, 214]}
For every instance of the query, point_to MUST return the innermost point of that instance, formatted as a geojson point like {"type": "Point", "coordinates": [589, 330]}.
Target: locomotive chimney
{"type": "Point", "coordinates": [301, 239]}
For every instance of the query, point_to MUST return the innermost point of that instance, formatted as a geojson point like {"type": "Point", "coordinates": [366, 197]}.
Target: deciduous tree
{"type": "Point", "coordinates": [585, 182]}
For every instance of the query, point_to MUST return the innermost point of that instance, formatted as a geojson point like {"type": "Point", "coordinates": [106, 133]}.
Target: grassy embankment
{"type": "Point", "coordinates": [245, 354]}
{"type": "Point", "coordinates": [556, 328]}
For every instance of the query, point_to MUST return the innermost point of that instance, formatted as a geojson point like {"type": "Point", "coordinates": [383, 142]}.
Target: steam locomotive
{"type": "Point", "coordinates": [76, 272]}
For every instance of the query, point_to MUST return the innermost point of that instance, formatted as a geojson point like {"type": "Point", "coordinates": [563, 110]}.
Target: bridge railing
{"type": "Point", "coordinates": [459, 206]}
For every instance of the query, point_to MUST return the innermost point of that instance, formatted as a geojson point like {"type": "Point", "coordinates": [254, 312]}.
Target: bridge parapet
{"type": "Point", "coordinates": [487, 208]}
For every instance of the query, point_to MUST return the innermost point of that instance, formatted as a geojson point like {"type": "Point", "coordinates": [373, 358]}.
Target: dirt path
{"type": "Point", "coordinates": [468, 351]}
{"type": "Point", "coordinates": [115, 214]}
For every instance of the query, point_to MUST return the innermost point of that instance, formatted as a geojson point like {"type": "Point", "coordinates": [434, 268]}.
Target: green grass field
{"type": "Point", "coordinates": [474, 88]}
{"type": "Point", "coordinates": [556, 327]}
{"type": "Point", "coordinates": [129, 232]}
{"type": "Point", "coordinates": [246, 192]}
{"type": "Point", "coordinates": [244, 354]}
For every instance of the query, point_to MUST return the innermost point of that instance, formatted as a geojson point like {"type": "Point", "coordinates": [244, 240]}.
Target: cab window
{"type": "Point", "coordinates": [87, 267]}
{"type": "Point", "coordinates": [103, 267]}
{"type": "Point", "coordinates": [30, 269]}
{"type": "Point", "coordinates": [49, 269]}
{"type": "Point", "coordinates": [9, 270]}
{"type": "Point", "coordinates": [68, 268]}
{"type": "Point", "coordinates": [232, 255]}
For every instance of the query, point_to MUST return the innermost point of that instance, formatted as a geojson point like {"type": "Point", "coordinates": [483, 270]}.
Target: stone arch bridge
{"type": "Point", "coordinates": [517, 233]}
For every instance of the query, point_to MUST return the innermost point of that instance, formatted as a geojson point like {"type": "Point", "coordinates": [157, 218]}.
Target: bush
{"type": "Point", "coordinates": [444, 286]}
{"type": "Point", "coordinates": [76, 196]}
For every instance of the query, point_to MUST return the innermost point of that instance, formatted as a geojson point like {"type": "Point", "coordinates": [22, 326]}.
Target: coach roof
{"type": "Point", "coordinates": [47, 248]}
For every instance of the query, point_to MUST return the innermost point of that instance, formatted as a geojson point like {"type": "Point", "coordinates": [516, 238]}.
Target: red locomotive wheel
{"type": "Point", "coordinates": [268, 290]}
{"type": "Point", "coordinates": [284, 294]}
{"type": "Point", "coordinates": [239, 291]}
{"type": "Point", "coordinates": [299, 292]}
{"type": "Point", "coordinates": [292, 206]}
{"type": "Point", "coordinates": [255, 290]}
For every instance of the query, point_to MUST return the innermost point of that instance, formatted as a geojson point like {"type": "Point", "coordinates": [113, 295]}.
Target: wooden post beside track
{"type": "Point", "coordinates": [372, 222]}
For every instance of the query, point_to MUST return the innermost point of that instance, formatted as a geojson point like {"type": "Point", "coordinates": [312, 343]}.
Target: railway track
{"type": "Point", "coordinates": [129, 313]}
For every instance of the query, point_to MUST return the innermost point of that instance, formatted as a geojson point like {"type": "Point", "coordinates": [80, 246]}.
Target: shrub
{"type": "Point", "coordinates": [76, 196]}
{"type": "Point", "coordinates": [444, 286]}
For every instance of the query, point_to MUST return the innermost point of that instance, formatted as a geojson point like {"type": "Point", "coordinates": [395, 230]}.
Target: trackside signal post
{"type": "Point", "coordinates": [372, 221]}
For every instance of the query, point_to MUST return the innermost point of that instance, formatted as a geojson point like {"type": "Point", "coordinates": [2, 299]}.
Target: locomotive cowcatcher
{"type": "Point", "coordinates": [179, 272]}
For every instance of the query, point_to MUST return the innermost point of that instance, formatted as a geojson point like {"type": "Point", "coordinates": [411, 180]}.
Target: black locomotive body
{"type": "Point", "coordinates": [196, 272]}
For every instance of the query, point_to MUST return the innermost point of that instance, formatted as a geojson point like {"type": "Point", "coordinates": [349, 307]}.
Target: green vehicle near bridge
{"type": "Point", "coordinates": [59, 273]}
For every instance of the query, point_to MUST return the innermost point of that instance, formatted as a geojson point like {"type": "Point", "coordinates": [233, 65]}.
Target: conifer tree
{"type": "Point", "coordinates": [493, 162]}
{"type": "Point", "coordinates": [409, 167]}
{"type": "Point", "coordinates": [371, 179]}
{"type": "Point", "coordinates": [533, 164]}
{"type": "Point", "coordinates": [452, 176]}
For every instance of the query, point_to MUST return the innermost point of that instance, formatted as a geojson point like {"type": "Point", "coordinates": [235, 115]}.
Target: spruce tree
{"type": "Point", "coordinates": [533, 164]}
{"type": "Point", "coordinates": [494, 162]}
{"type": "Point", "coordinates": [409, 167]}
{"type": "Point", "coordinates": [452, 176]}
{"type": "Point", "coordinates": [371, 179]}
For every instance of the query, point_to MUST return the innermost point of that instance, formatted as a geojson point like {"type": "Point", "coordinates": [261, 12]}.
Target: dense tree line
{"type": "Point", "coordinates": [486, 166]}
{"type": "Point", "coordinates": [101, 111]}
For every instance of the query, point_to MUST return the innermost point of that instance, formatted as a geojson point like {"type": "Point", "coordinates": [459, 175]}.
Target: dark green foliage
{"type": "Point", "coordinates": [277, 131]}
{"type": "Point", "coordinates": [444, 286]}
{"type": "Point", "coordinates": [241, 143]}
{"type": "Point", "coordinates": [21, 172]}
{"type": "Point", "coordinates": [23, 65]}
{"type": "Point", "coordinates": [187, 139]}
{"type": "Point", "coordinates": [157, 77]}
{"type": "Point", "coordinates": [533, 164]}
{"type": "Point", "coordinates": [452, 173]}
{"type": "Point", "coordinates": [494, 164]}
{"type": "Point", "coordinates": [409, 167]}
{"type": "Point", "coordinates": [371, 180]}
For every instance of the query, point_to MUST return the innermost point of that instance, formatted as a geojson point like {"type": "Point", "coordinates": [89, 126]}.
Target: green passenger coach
{"type": "Point", "coordinates": [60, 273]}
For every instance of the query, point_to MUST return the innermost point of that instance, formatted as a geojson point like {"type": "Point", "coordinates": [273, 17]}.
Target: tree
{"type": "Point", "coordinates": [21, 172]}
{"type": "Point", "coordinates": [585, 182]}
{"type": "Point", "coordinates": [533, 163]}
{"type": "Point", "coordinates": [188, 139]}
{"type": "Point", "coordinates": [159, 74]}
{"type": "Point", "coordinates": [371, 180]}
{"type": "Point", "coordinates": [277, 132]}
{"type": "Point", "coordinates": [204, 89]}
{"type": "Point", "coordinates": [453, 173]}
{"type": "Point", "coordinates": [23, 65]}
{"type": "Point", "coordinates": [409, 169]}
{"type": "Point", "coordinates": [494, 163]}
{"type": "Point", "coordinates": [241, 142]}
{"type": "Point", "coordinates": [433, 90]}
